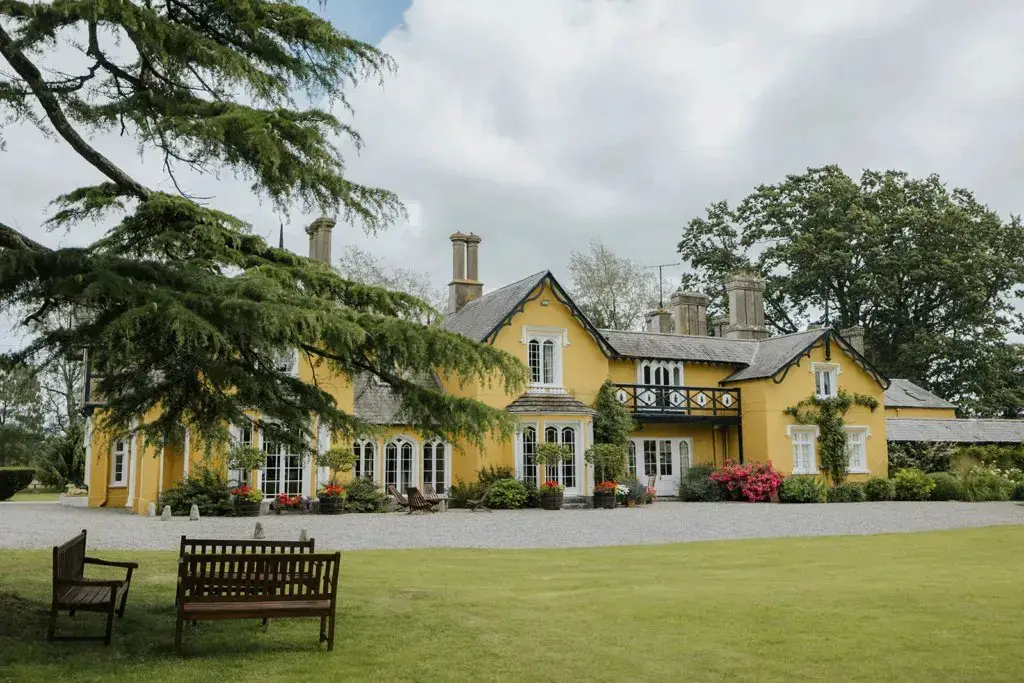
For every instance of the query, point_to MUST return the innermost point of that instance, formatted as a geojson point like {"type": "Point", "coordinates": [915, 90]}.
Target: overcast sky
{"type": "Point", "coordinates": [538, 124]}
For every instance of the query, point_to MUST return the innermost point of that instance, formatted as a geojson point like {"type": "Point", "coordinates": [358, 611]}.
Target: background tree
{"type": "Point", "coordinates": [613, 291]}
{"type": "Point", "coordinates": [21, 416]}
{"type": "Point", "coordinates": [362, 266]}
{"type": "Point", "coordinates": [929, 272]}
{"type": "Point", "coordinates": [181, 304]}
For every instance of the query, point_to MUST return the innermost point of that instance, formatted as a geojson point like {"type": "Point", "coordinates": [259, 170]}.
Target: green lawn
{"type": "Point", "coordinates": [934, 606]}
{"type": "Point", "coordinates": [35, 496]}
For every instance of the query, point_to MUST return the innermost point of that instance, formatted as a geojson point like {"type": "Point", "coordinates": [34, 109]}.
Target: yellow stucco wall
{"type": "Point", "coordinates": [921, 413]}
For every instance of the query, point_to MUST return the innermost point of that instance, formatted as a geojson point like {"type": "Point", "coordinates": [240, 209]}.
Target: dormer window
{"type": "Point", "coordinates": [544, 355]}
{"type": "Point", "coordinates": [826, 379]}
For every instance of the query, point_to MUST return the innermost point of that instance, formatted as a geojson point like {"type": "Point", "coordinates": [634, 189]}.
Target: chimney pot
{"type": "Point", "coordinates": [690, 312]}
{"type": "Point", "coordinates": [465, 285]}
{"type": "Point", "coordinates": [746, 307]}
{"type": "Point", "coordinates": [319, 232]}
{"type": "Point", "coordinates": [659, 321]}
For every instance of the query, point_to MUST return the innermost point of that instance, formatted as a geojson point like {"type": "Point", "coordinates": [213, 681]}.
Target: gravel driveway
{"type": "Point", "coordinates": [42, 525]}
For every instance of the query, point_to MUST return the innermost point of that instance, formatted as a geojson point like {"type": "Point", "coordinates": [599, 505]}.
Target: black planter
{"type": "Point", "coordinates": [605, 501]}
{"type": "Point", "coordinates": [245, 508]}
{"type": "Point", "coordinates": [551, 501]}
{"type": "Point", "coordinates": [332, 506]}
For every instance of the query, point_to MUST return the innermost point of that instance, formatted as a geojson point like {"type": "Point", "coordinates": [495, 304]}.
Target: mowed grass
{"type": "Point", "coordinates": [35, 497]}
{"type": "Point", "coordinates": [930, 606]}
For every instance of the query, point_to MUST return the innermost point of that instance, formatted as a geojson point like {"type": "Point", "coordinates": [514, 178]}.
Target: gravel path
{"type": "Point", "coordinates": [42, 525]}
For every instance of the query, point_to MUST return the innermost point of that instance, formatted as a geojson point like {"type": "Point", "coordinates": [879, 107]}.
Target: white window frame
{"type": "Point", "coordinates": [417, 455]}
{"type": "Point", "coordinates": [558, 337]}
{"type": "Point", "coordinates": [792, 431]}
{"type": "Point", "coordinates": [520, 456]}
{"type": "Point", "coordinates": [323, 444]}
{"type": "Point", "coordinates": [668, 366]}
{"type": "Point", "coordinates": [237, 435]}
{"type": "Point", "coordinates": [374, 460]}
{"type": "Point", "coordinates": [121, 482]}
{"type": "Point", "coordinates": [446, 460]}
{"type": "Point", "coordinates": [577, 452]}
{"type": "Point", "coordinates": [866, 434]}
{"type": "Point", "coordinates": [831, 368]}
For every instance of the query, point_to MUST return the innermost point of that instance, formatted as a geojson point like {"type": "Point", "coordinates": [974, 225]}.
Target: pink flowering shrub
{"type": "Point", "coordinates": [754, 482]}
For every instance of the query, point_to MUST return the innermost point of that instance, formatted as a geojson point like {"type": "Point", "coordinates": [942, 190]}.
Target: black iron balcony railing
{"type": "Point", "coordinates": [653, 402]}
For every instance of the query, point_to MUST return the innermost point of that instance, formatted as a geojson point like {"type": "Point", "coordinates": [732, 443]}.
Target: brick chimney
{"type": "Point", "coordinates": [746, 307]}
{"type": "Point", "coordinates": [465, 285]}
{"type": "Point", "coordinates": [659, 320]}
{"type": "Point", "coordinates": [854, 335]}
{"type": "Point", "coordinates": [690, 312]}
{"type": "Point", "coordinates": [319, 232]}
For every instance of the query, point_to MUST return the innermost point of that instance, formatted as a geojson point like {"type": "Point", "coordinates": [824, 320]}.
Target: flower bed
{"type": "Point", "coordinates": [753, 482]}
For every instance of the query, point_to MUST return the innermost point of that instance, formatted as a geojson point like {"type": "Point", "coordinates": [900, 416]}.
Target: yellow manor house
{"type": "Point", "coordinates": [696, 398]}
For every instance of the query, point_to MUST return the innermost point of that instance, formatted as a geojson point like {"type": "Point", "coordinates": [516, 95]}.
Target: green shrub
{"type": "Point", "coordinates": [803, 489]}
{"type": "Point", "coordinates": [532, 495]}
{"type": "Point", "coordinates": [14, 479]}
{"type": "Point", "coordinates": [490, 474]}
{"type": "Point", "coordinates": [363, 495]}
{"type": "Point", "coordinates": [206, 488]}
{"type": "Point", "coordinates": [982, 484]}
{"type": "Point", "coordinates": [1018, 491]}
{"type": "Point", "coordinates": [912, 484]}
{"type": "Point", "coordinates": [947, 487]}
{"type": "Point", "coordinates": [461, 492]}
{"type": "Point", "coordinates": [879, 489]}
{"type": "Point", "coordinates": [696, 485]}
{"type": "Point", "coordinates": [847, 492]}
{"type": "Point", "coordinates": [507, 494]}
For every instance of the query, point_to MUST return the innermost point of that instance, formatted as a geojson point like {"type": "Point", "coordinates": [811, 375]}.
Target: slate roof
{"type": "Point", "coordinates": [680, 347]}
{"type": "Point", "coordinates": [902, 393]}
{"type": "Point", "coordinates": [955, 431]}
{"type": "Point", "coordinates": [376, 403]}
{"type": "Point", "coordinates": [772, 354]}
{"type": "Point", "coordinates": [478, 317]}
{"type": "Point", "coordinates": [563, 404]}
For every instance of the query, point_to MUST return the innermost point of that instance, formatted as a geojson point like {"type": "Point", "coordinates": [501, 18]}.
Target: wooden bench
{"type": "Point", "coordinates": [73, 592]}
{"type": "Point", "coordinates": [258, 586]}
{"type": "Point", "coordinates": [211, 546]}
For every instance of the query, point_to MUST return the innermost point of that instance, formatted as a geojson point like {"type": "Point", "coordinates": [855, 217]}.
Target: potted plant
{"type": "Point", "coordinates": [285, 504]}
{"type": "Point", "coordinates": [604, 495]}
{"type": "Point", "coordinates": [246, 501]}
{"type": "Point", "coordinates": [551, 494]}
{"type": "Point", "coordinates": [330, 494]}
{"type": "Point", "coordinates": [332, 499]}
{"type": "Point", "coordinates": [551, 455]}
{"type": "Point", "coordinates": [247, 458]}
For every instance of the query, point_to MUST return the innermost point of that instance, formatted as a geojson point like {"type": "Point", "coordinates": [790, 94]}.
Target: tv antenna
{"type": "Point", "coordinates": [661, 281]}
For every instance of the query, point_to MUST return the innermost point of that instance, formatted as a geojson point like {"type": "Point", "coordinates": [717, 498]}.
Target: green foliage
{"type": "Point", "coordinates": [828, 414]}
{"type": "Point", "coordinates": [462, 491]}
{"type": "Point", "coordinates": [337, 460]}
{"type": "Point", "coordinates": [61, 461]}
{"type": "Point", "coordinates": [609, 461]}
{"type": "Point", "coordinates": [613, 424]}
{"type": "Point", "coordinates": [879, 489]}
{"type": "Point", "coordinates": [491, 473]}
{"type": "Point", "coordinates": [14, 479]}
{"type": "Point", "coordinates": [1003, 456]}
{"type": "Point", "coordinates": [1018, 491]}
{"type": "Point", "coordinates": [551, 453]}
{"type": "Point", "coordinates": [893, 244]}
{"type": "Point", "coordinates": [637, 490]}
{"type": "Point", "coordinates": [982, 484]}
{"type": "Point", "coordinates": [206, 488]}
{"type": "Point", "coordinates": [21, 414]}
{"type": "Point", "coordinates": [246, 458]}
{"type": "Point", "coordinates": [363, 495]}
{"type": "Point", "coordinates": [912, 484]}
{"type": "Point", "coordinates": [927, 457]}
{"type": "Point", "coordinates": [947, 487]}
{"type": "Point", "coordinates": [847, 492]}
{"type": "Point", "coordinates": [696, 485]}
{"type": "Point", "coordinates": [507, 494]}
{"type": "Point", "coordinates": [803, 489]}
{"type": "Point", "coordinates": [183, 306]}
{"type": "Point", "coordinates": [532, 495]}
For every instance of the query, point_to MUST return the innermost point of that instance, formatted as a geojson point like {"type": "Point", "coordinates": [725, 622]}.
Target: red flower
{"type": "Point", "coordinates": [606, 487]}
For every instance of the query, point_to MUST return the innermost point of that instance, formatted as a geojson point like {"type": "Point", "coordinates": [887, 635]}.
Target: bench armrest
{"type": "Point", "coordinates": [105, 583]}
{"type": "Point", "coordinates": [111, 563]}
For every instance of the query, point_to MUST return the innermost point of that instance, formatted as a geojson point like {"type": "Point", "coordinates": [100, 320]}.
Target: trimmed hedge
{"type": "Point", "coordinates": [848, 492]}
{"type": "Point", "coordinates": [912, 484]}
{"type": "Point", "coordinates": [14, 479]}
{"type": "Point", "coordinates": [879, 489]}
{"type": "Point", "coordinates": [803, 489]}
{"type": "Point", "coordinates": [947, 487]}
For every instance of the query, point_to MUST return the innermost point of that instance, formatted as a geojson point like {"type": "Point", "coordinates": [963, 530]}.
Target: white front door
{"type": "Point", "coordinates": [658, 460]}
{"type": "Point", "coordinates": [568, 472]}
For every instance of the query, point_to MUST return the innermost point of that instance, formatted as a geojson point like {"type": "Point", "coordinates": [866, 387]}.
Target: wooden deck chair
{"type": "Point", "coordinates": [399, 498]}
{"type": "Point", "coordinates": [417, 502]}
{"type": "Point", "coordinates": [481, 503]}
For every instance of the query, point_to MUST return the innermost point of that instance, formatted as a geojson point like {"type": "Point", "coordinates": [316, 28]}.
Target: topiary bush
{"type": "Point", "coordinates": [803, 489]}
{"type": "Point", "coordinates": [206, 488]}
{"type": "Point", "coordinates": [847, 492]}
{"type": "Point", "coordinates": [947, 487]}
{"type": "Point", "coordinates": [879, 489]}
{"type": "Point", "coordinates": [507, 494]}
{"type": "Point", "coordinates": [696, 485]}
{"type": "Point", "coordinates": [912, 484]}
{"type": "Point", "coordinates": [982, 484]}
{"type": "Point", "coordinates": [14, 479]}
{"type": "Point", "coordinates": [364, 495]}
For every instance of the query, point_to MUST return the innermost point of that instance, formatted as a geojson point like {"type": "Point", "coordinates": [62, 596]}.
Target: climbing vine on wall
{"type": "Point", "coordinates": [828, 414]}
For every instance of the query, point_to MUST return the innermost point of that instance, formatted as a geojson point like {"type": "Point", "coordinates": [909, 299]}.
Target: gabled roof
{"type": "Point", "coordinates": [377, 404]}
{"type": "Point", "coordinates": [561, 404]}
{"type": "Point", "coordinates": [902, 393]}
{"type": "Point", "coordinates": [681, 347]}
{"type": "Point", "coordinates": [773, 354]}
{"type": "Point", "coordinates": [954, 430]}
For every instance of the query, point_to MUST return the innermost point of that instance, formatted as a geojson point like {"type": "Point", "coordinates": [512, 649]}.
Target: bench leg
{"type": "Point", "coordinates": [330, 634]}
{"type": "Point", "coordinates": [51, 629]}
{"type": "Point", "coordinates": [110, 624]}
{"type": "Point", "coordinates": [266, 624]}
{"type": "Point", "coordinates": [71, 612]}
{"type": "Point", "coordinates": [323, 629]}
{"type": "Point", "coordinates": [178, 625]}
{"type": "Point", "coordinates": [124, 598]}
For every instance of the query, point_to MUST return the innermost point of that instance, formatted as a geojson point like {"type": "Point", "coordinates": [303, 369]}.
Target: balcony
{"type": "Point", "coordinates": [694, 405]}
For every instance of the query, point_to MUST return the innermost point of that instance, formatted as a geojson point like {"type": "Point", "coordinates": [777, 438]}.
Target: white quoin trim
{"type": "Point", "coordinates": [133, 451]}
{"type": "Point", "coordinates": [160, 473]}
{"type": "Point", "coordinates": [323, 444]}
{"type": "Point", "coordinates": [88, 451]}
{"type": "Point", "coordinates": [188, 451]}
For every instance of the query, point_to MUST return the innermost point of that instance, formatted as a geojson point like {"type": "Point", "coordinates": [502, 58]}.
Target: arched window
{"type": "Point", "coordinates": [365, 452]}
{"type": "Point", "coordinates": [434, 465]}
{"type": "Point", "coordinates": [684, 454]}
{"type": "Point", "coordinates": [398, 463]}
{"type": "Point", "coordinates": [533, 357]}
{"type": "Point", "coordinates": [529, 449]}
{"type": "Point", "coordinates": [543, 355]}
{"type": "Point", "coordinates": [569, 466]}
{"type": "Point", "coordinates": [631, 462]}
{"type": "Point", "coordinates": [551, 436]}
{"type": "Point", "coordinates": [548, 362]}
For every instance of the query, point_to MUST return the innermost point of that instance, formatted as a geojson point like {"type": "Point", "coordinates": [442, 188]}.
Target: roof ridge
{"type": "Point", "coordinates": [671, 334]}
